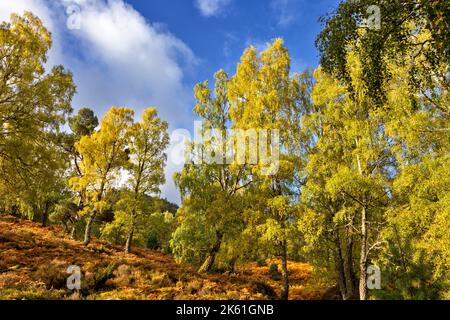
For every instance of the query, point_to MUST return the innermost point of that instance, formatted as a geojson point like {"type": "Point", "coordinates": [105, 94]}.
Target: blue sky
{"type": "Point", "coordinates": [219, 39]}
{"type": "Point", "coordinates": [141, 53]}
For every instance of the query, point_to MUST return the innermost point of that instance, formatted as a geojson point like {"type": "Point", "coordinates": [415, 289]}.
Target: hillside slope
{"type": "Point", "coordinates": [34, 260]}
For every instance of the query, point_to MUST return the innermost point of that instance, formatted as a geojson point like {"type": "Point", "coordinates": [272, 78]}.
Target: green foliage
{"type": "Point", "coordinates": [212, 202]}
{"type": "Point", "coordinates": [159, 231]}
{"type": "Point", "coordinates": [34, 104]}
{"type": "Point", "coordinates": [417, 255]}
{"type": "Point", "coordinates": [273, 271]}
{"type": "Point", "coordinates": [381, 139]}
{"type": "Point", "coordinates": [83, 123]}
{"type": "Point", "coordinates": [420, 27]}
{"type": "Point", "coordinates": [192, 238]}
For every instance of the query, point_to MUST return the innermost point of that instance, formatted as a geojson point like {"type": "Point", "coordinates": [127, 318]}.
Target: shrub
{"type": "Point", "coordinates": [98, 280]}
{"type": "Point", "coordinates": [273, 272]}
{"type": "Point", "coordinates": [53, 275]}
{"type": "Point", "coordinates": [263, 288]}
{"type": "Point", "coordinates": [161, 279]}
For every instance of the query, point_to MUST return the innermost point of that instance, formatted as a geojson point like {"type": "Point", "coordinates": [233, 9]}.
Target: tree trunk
{"type": "Point", "coordinates": [339, 265]}
{"type": "Point", "coordinates": [131, 231]}
{"type": "Point", "coordinates": [129, 239]}
{"type": "Point", "coordinates": [36, 216]}
{"type": "Point", "coordinates": [88, 230]}
{"type": "Point", "coordinates": [66, 227]}
{"type": "Point", "coordinates": [363, 257]}
{"type": "Point", "coordinates": [233, 264]}
{"type": "Point", "coordinates": [363, 254]}
{"type": "Point", "coordinates": [14, 210]}
{"type": "Point", "coordinates": [45, 214]}
{"type": "Point", "coordinates": [349, 270]}
{"type": "Point", "coordinates": [72, 232]}
{"type": "Point", "coordinates": [284, 273]}
{"type": "Point", "coordinates": [209, 261]}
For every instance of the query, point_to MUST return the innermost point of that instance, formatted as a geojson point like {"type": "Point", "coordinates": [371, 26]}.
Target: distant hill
{"type": "Point", "coordinates": [169, 206]}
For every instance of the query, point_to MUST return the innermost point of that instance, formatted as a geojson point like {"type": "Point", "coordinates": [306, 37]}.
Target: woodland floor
{"type": "Point", "coordinates": [34, 260]}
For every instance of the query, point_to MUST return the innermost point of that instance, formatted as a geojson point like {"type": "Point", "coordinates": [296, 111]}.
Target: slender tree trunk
{"type": "Point", "coordinates": [65, 226]}
{"type": "Point", "coordinates": [133, 212]}
{"type": "Point", "coordinates": [130, 234]}
{"type": "Point", "coordinates": [35, 216]}
{"type": "Point", "coordinates": [129, 239]}
{"type": "Point", "coordinates": [88, 229]}
{"type": "Point", "coordinates": [339, 265]}
{"type": "Point", "coordinates": [363, 257]}
{"type": "Point", "coordinates": [233, 264]}
{"type": "Point", "coordinates": [284, 272]}
{"type": "Point", "coordinates": [72, 232]}
{"type": "Point", "coordinates": [348, 268]}
{"type": "Point", "coordinates": [14, 210]}
{"type": "Point", "coordinates": [45, 214]}
{"type": "Point", "coordinates": [363, 254]}
{"type": "Point", "coordinates": [209, 261]}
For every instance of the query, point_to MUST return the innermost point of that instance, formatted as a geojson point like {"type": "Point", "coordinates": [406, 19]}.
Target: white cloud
{"type": "Point", "coordinates": [210, 8]}
{"type": "Point", "coordinates": [36, 6]}
{"type": "Point", "coordinates": [283, 11]}
{"type": "Point", "coordinates": [143, 64]}
{"type": "Point", "coordinates": [118, 58]}
{"type": "Point", "coordinates": [39, 8]}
